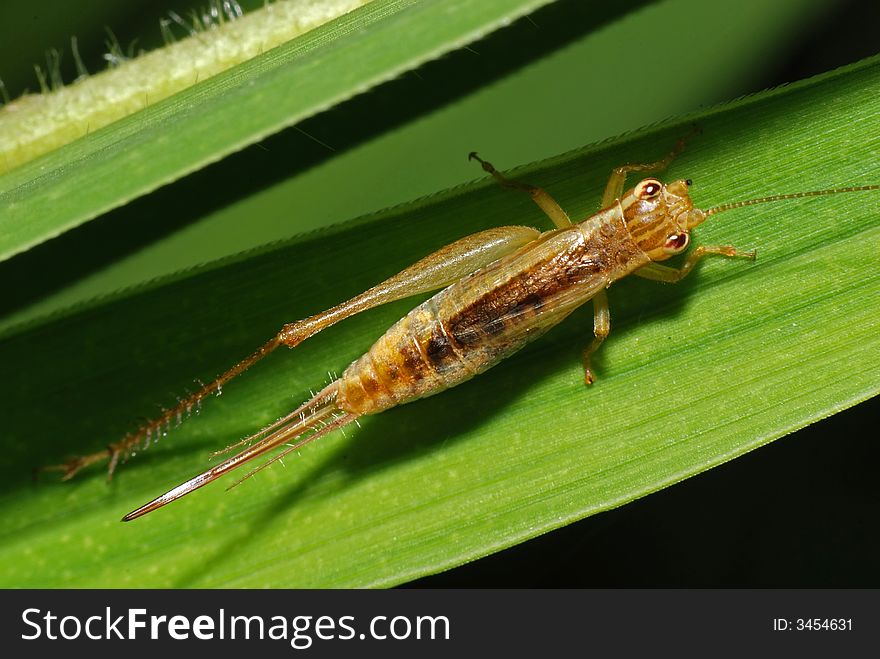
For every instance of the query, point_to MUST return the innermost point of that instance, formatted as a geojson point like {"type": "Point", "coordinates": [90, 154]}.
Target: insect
{"type": "Point", "coordinates": [501, 288]}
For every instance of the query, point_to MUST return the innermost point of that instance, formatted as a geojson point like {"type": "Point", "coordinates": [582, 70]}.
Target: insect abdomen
{"type": "Point", "coordinates": [412, 359]}
{"type": "Point", "coordinates": [475, 323]}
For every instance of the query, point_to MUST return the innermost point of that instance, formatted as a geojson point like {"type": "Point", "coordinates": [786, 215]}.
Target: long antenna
{"type": "Point", "coordinates": [794, 195]}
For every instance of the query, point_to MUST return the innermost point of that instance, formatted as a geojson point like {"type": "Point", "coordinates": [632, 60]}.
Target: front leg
{"type": "Point", "coordinates": [539, 195]}
{"type": "Point", "coordinates": [669, 275]}
{"type": "Point", "coordinates": [617, 180]}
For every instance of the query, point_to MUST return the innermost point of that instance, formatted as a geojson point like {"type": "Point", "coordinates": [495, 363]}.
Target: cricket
{"type": "Point", "coordinates": [501, 289]}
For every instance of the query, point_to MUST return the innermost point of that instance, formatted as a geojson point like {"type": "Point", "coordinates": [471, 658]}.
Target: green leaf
{"type": "Point", "coordinates": [527, 92]}
{"type": "Point", "coordinates": [195, 127]}
{"type": "Point", "coordinates": [693, 375]}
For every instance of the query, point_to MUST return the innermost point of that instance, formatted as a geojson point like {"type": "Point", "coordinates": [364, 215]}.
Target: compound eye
{"type": "Point", "coordinates": [676, 243]}
{"type": "Point", "coordinates": [648, 189]}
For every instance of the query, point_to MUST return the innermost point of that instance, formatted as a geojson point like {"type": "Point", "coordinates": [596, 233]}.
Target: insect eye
{"type": "Point", "coordinates": [677, 242]}
{"type": "Point", "coordinates": [648, 189]}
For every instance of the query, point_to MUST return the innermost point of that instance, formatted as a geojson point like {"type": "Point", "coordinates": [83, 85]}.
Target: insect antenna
{"type": "Point", "coordinates": [793, 195]}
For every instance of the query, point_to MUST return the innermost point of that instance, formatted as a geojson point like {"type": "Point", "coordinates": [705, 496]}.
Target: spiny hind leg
{"type": "Point", "coordinates": [70, 468]}
{"type": "Point", "coordinates": [617, 180]}
{"type": "Point", "coordinates": [439, 269]}
{"type": "Point", "coordinates": [130, 443]}
{"type": "Point", "coordinates": [539, 195]}
{"type": "Point", "coordinates": [670, 275]}
{"type": "Point", "coordinates": [601, 329]}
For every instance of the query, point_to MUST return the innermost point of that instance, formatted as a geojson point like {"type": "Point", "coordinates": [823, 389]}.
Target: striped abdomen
{"type": "Point", "coordinates": [478, 321]}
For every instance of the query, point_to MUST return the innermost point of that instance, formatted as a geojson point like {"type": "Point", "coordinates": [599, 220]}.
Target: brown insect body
{"type": "Point", "coordinates": [476, 322]}
{"type": "Point", "coordinates": [501, 288]}
{"type": "Point", "coordinates": [485, 317]}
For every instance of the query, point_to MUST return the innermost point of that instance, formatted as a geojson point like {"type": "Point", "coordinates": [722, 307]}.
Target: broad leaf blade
{"type": "Point", "coordinates": [137, 154]}
{"type": "Point", "coordinates": [693, 375]}
{"type": "Point", "coordinates": [409, 138]}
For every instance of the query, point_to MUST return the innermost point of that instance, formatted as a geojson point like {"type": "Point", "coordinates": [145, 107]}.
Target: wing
{"type": "Point", "coordinates": [499, 309]}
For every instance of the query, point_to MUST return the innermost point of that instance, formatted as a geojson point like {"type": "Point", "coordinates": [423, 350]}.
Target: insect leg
{"type": "Point", "coordinates": [601, 329]}
{"type": "Point", "coordinates": [121, 449]}
{"type": "Point", "coordinates": [437, 270]}
{"type": "Point", "coordinates": [617, 180]}
{"type": "Point", "coordinates": [664, 273]}
{"type": "Point", "coordinates": [539, 195]}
